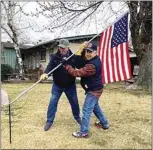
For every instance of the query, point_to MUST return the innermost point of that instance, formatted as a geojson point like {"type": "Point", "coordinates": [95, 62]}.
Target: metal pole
{"type": "Point", "coordinates": [40, 80]}
{"type": "Point", "coordinates": [59, 65]}
{"type": "Point", "coordinates": [47, 74]}
{"type": "Point", "coordinates": [10, 122]}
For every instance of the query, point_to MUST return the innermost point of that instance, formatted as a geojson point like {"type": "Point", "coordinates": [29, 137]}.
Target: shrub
{"type": "Point", "coordinates": [5, 69]}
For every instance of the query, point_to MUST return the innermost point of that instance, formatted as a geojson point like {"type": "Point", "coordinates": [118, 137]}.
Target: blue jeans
{"type": "Point", "coordinates": [91, 105]}
{"type": "Point", "coordinates": [71, 94]}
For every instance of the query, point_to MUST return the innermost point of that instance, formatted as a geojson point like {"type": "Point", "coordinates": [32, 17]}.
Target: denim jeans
{"type": "Point", "coordinates": [91, 105]}
{"type": "Point", "coordinates": [71, 94]}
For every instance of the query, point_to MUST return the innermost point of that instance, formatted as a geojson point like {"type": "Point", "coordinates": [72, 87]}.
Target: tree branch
{"type": "Point", "coordinates": [88, 15]}
{"type": "Point", "coordinates": [91, 6]}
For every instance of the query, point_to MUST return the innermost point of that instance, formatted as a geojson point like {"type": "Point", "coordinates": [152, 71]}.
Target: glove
{"type": "Point", "coordinates": [64, 61]}
{"type": "Point", "coordinates": [82, 46]}
{"type": "Point", "coordinates": [44, 76]}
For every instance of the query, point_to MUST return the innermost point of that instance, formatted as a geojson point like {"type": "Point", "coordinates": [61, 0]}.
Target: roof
{"type": "Point", "coordinates": [79, 37]}
{"type": "Point", "coordinates": [71, 38]}
{"type": "Point", "coordinates": [10, 45]}
{"type": "Point", "coordinates": [75, 38]}
{"type": "Point", "coordinates": [7, 44]}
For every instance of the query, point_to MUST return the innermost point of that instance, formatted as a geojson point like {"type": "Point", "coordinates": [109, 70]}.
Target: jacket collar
{"type": "Point", "coordinates": [58, 54]}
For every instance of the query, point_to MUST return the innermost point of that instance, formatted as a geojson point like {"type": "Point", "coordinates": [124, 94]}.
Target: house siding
{"type": "Point", "coordinates": [10, 57]}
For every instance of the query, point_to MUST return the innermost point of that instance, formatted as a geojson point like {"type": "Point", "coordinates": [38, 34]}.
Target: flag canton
{"type": "Point", "coordinates": [120, 32]}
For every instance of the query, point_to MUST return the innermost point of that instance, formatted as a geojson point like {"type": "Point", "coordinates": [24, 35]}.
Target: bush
{"type": "Point", "coordinates": [5, 69]}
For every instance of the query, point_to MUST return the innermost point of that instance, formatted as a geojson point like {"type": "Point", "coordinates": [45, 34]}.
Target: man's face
{"type": "Point", "coordinates": [63, 51]}
{"type": "Point", "coordinates": [90, 54]}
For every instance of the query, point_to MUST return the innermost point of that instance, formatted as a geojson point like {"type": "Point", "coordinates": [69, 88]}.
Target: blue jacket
{"type": "Point", "coordinates": [60, 76]}
{"type": "Point", "coordinates": [94, 82]}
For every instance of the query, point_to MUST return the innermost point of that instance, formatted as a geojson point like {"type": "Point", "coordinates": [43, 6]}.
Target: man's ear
{"type": "Point", "coordinates": [95, 53]}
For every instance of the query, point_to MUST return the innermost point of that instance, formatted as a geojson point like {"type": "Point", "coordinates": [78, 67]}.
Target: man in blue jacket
{"type": "Point", "coordinates": [62, 82]}
{"type": "Point", "coordinates": [91, 81]}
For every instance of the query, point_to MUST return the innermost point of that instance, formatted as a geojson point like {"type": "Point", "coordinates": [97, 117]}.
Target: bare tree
{"type": "Point", "coordinates": [141, 33]}
{"type": "Point", "coordinates": [67, 13]}
{"type": "Point", "coordinates": [75, 14]}
{"type": "Point", "coordinates": [10, 26]}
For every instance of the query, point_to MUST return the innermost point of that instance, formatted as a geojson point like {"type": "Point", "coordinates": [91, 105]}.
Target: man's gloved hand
{"type": "Point", "coordinates": [81, 47]}
{"type": "Point", "coordinates": [44, 76]}
{"type": "Point", "coordinates": [64, 61]}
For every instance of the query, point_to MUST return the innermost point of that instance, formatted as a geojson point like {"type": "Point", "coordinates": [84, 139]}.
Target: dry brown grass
{"type": "Point", "coordinates": [128, 112]}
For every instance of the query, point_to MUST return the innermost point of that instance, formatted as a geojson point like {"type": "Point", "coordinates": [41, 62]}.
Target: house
{"type": "Point", "coordinates": [41, 53]}
{"type": "Point", "coordinates": [34, 55]}
{"type": "Point", "coordinates": [8, 54]}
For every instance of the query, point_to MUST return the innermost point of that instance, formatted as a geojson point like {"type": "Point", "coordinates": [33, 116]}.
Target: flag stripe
{"type": "Point", "coordinates": [106, 65]}
{"type": "Point", "coordinates": [104, 58]}
{"type": "Point", "coordinates": [117, 63]}
{"type": "Point", "coordinates": [113, 51]}
{"type": "Point", "coordinates": [113, 61]}
{"type": "Point", "coordinates": [110, 57]}
{"type": "Point", "coordinates": [102, 53]}
{"type": "Point", "coordinates": [123, 52]}
{"type": "Point", "coordinates": [108, 54]}
{"type": "Point", "coordinates": [113, 65]}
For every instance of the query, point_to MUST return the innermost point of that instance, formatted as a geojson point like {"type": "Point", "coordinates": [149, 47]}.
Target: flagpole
{"type": "Point", "coordinates": [52, 72]}
{"type": "Point", "coordinates": [61, 63]}
{"type": "Point", "coordinates": [10, 122]}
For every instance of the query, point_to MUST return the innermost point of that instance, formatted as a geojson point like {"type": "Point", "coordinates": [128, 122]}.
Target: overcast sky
{"type": "Point", "coordinates": [97, 24]}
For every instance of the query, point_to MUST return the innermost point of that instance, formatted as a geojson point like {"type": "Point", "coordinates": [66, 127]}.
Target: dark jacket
{"type": "Point", "coordinates": [60, 76]}
{"type": "Point", "coordinates": [94, 82]}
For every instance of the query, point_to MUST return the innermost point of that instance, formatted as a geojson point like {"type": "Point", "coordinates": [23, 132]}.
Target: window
{"type": "Point", "coordinates": [43, 55]}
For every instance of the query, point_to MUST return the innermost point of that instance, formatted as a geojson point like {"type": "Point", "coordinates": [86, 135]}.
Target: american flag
{"type": "Point", "coordinates": [113, 52]}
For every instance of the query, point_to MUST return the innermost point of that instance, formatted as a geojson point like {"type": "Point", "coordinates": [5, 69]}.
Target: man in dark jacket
{"type": "Point", "coordinates": [91, 81]}
{"type": "Point", "coordinates": [62, 82]}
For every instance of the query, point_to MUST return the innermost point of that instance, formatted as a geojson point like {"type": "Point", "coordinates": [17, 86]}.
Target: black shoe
{"type": "Point", "coordinates": [80, 135]}
{"type": "Point", "coordinates": [47, 126]}
{"type": "Point", "coordinates": [99, 125]}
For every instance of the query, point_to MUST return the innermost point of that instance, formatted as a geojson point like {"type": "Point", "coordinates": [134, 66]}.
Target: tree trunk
{"type": "Point", "coordinates": [141, 34]}
{"type": "Point", "coordinates": [12, 32]}
{"type": "Point", "coordinates": [145, 70]}
{"type": "Point", "coordinates": [19, 59]}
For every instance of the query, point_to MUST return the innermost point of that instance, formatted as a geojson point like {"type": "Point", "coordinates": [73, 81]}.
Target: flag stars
{"type": "Point", "coordinates": [120, 32]}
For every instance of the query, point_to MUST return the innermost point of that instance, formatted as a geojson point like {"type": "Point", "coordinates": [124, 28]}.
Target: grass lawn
{"type": "Point", "coordinates": [128, 113]}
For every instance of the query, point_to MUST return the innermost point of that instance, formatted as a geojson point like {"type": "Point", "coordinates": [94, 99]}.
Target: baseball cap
{"type": "Point", "coordinates": [64, 43]}
{"type": "Point", "coordinates": [91, 46]}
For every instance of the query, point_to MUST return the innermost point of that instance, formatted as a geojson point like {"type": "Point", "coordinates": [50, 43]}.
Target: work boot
{"type": "Point", "coordinates": [99, 125]}
{"type": "Point", "coordinates": [47, 126]}
{"type": "Point", "coordinates": [80, 135]}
